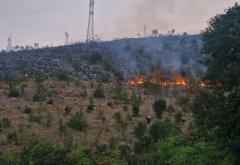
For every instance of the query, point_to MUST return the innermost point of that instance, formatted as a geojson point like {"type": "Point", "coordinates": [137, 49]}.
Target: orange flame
{"type": "Point", "coordinates": [178, 82]}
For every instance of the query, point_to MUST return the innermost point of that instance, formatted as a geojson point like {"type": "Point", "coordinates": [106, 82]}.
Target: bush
{"type": "Point", "coordinates": [91, 105]}
{"type": "Point", "coordinates": [13, 92]}
{"type": "Point", "coordinates": [139, 130]}
{"type": "Point", "coordinates": [62, 75]}
{"type": "Point", "coordinates": [39, 96]}
{"type": "Point", "coordinates": [161, 130]}
{"type": "Point", "coordinates": [50, 101]}
{"type": "Point", "coordinates": [183, 102]}
{"type": "Point", "coordinates": [62, 128]}
{"type": "Point", "coordinates": [159, 107]}
{"type": "Point", "coordinates": [67, 110]}
{"type": "Point", "coordinates": [12, 137]}
{"type": "Point", "coordinates": [81, 156]}
{"type": "Point", "coordinates": [171, 109]}
{"type": "Point", "coordinates": [77, 122]}
{"type": "Point", "coordinates": [35, 117]}
{"type": "Point", "coordinates": [135, 109]}
{"type": "Point", "coordinates": [6, 122]}
{"type": "Point", "coordinates": [178, 117]}
{"type": "Point", "coordinates": [45, 153]}
{"type": "Point", "coordinates": [27, 110]}
{"type": "Point", "coordinates": [98, 93]}
{"type": "Point", "coordinates": [83, 93]}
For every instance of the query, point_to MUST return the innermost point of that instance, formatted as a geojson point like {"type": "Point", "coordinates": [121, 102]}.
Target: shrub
{"type": "Point", "coordinates": [81, 156]}
{"type": "Point", "coordinates": [98, 93]}
{"type": "Point", "coordinates": [67, 110]}
{"type": "Point", "coordinates": [135, 109]}
{"type": "Point", "coordinates": [13, 92]}
{"type": "Point", "coordinates": [50, 101]}
{"type": "Point", "coordinates": [62, 75]}
{"type": "Point", "coordinates": [6, 122]}
{"type": "Point", "coordinates": [35, 117]}
{"type": "Point", "coordinates": [62, 128]}
{"type": "Point", "coordinates": [44, 153]}
{"type": "Point", "coordinates": [170, 109]}
{"type": "Point", "coordinates": [125, 107]}
{"type": "Point", "coordinates": [113, 142]}
{"type": "Point", "coordinates": [27, 110]}
{"type": "Point", "coordinates": [160, 130]}
{"type": "Point", "coordinates": [77, 122]}
{"type": "Point", "coordinates": [90, 106]}
{"type": "Point", "coordinates": [12, 137]}
{"type": "Point", "coordinates": [159, 107]}
{"type": "Point", "coordinates": [139, 130]}
{"type": "Point", "coordinates": [178, 117]}
{"type": "Point", "coordinates": [39, 96]}
{"type": "Point", "coordinates": [183, 102]}
{"type": "Point", "coordinates": [83, 93]}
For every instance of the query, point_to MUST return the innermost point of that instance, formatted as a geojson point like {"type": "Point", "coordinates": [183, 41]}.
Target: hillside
{"type": "Point", "coordinates": [129, 57]}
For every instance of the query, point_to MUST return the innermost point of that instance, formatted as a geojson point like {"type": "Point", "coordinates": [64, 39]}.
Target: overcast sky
{"type": "Point", "coordinates": [45, 21]}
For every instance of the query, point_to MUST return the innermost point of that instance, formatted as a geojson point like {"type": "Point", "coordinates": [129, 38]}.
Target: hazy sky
{"type": "Point", "coordinates": [45, 21]}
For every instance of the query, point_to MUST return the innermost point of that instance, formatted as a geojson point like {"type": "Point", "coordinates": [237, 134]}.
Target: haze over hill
{"type": "Point", "coordinates": [179, 54]}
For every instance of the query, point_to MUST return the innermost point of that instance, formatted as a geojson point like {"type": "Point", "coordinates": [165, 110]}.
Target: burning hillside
{"type": "Point", "coordinates": [175, 81]}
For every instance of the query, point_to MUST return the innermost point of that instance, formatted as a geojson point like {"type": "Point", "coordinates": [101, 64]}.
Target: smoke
{"type": "Point", "coordinates": [183, 15]}
{"type": "Point", "coordinates": [171, 54]}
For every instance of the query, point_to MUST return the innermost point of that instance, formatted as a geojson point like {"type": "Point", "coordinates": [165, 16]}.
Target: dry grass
{"type": "Point", "coordinates": [98, 132]}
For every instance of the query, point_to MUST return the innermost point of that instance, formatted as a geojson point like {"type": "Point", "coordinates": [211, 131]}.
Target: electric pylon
{"type": "Point", "coordinates": [66, 38]}
{"type": "Point", "coordinates": [9, 45]}
{"type": "Point", "coordinates": [90, 30]}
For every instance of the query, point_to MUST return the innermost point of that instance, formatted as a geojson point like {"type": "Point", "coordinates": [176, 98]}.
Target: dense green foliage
{"type": "Point", "coordinates": [217, 111]}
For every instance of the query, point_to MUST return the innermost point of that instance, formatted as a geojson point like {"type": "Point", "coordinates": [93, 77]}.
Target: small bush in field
{"type": "Point", "coordinates": [77, 122]}
{"type": "Point", "coordinates": [67, 110]}
{"type": "Point", "coordinates": [135, 109]}
{"type": "Point", "coordinates": [178, 117]}
{"type": "Point", "coordinates": [13, 92]}
{"type": "Point", "coordinates": [159, 107]}
{"type": "Point", "coordinates": [139, 130]}
{"type": "Point", "coordinates": [170, 109]}
{"type": "Point", "coordinates": [91, 105]}
{"type": "Point", "coordinates": [50, 101]}
{"type": "Point", "coordinates": [35, 117]}
{"type": "Point", "coordinates": [99, 92]}
{"type": "Point", "coordinates": [27, 110]}
{"type": "Point", "coordinates": [62, 75]}
{"type": "Point", "coordinates": [12, 137]}
{"type": "Point", "coordinates": [6, 122]}
{"type": "Point", "coordinates": [39, 96]}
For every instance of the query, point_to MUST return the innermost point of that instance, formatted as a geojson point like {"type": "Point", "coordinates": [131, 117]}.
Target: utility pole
{"type": "Point", "coordinates": [9, 45]}
{"type": "Point", "coordinates": [90, 30]}
{"type": "Point", "coordinates": [66, 38]}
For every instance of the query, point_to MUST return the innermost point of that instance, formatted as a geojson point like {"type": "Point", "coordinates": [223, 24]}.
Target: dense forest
{"type": "Point", "coordinates": [212, 138]}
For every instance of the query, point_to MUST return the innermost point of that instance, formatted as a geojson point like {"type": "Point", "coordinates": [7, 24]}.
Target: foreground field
{"type": "Point", "coordinates": [47, 117]}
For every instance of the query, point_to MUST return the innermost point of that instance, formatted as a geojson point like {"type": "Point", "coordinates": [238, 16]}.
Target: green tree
{"type": "Point", "coordinates": [217, 111]}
